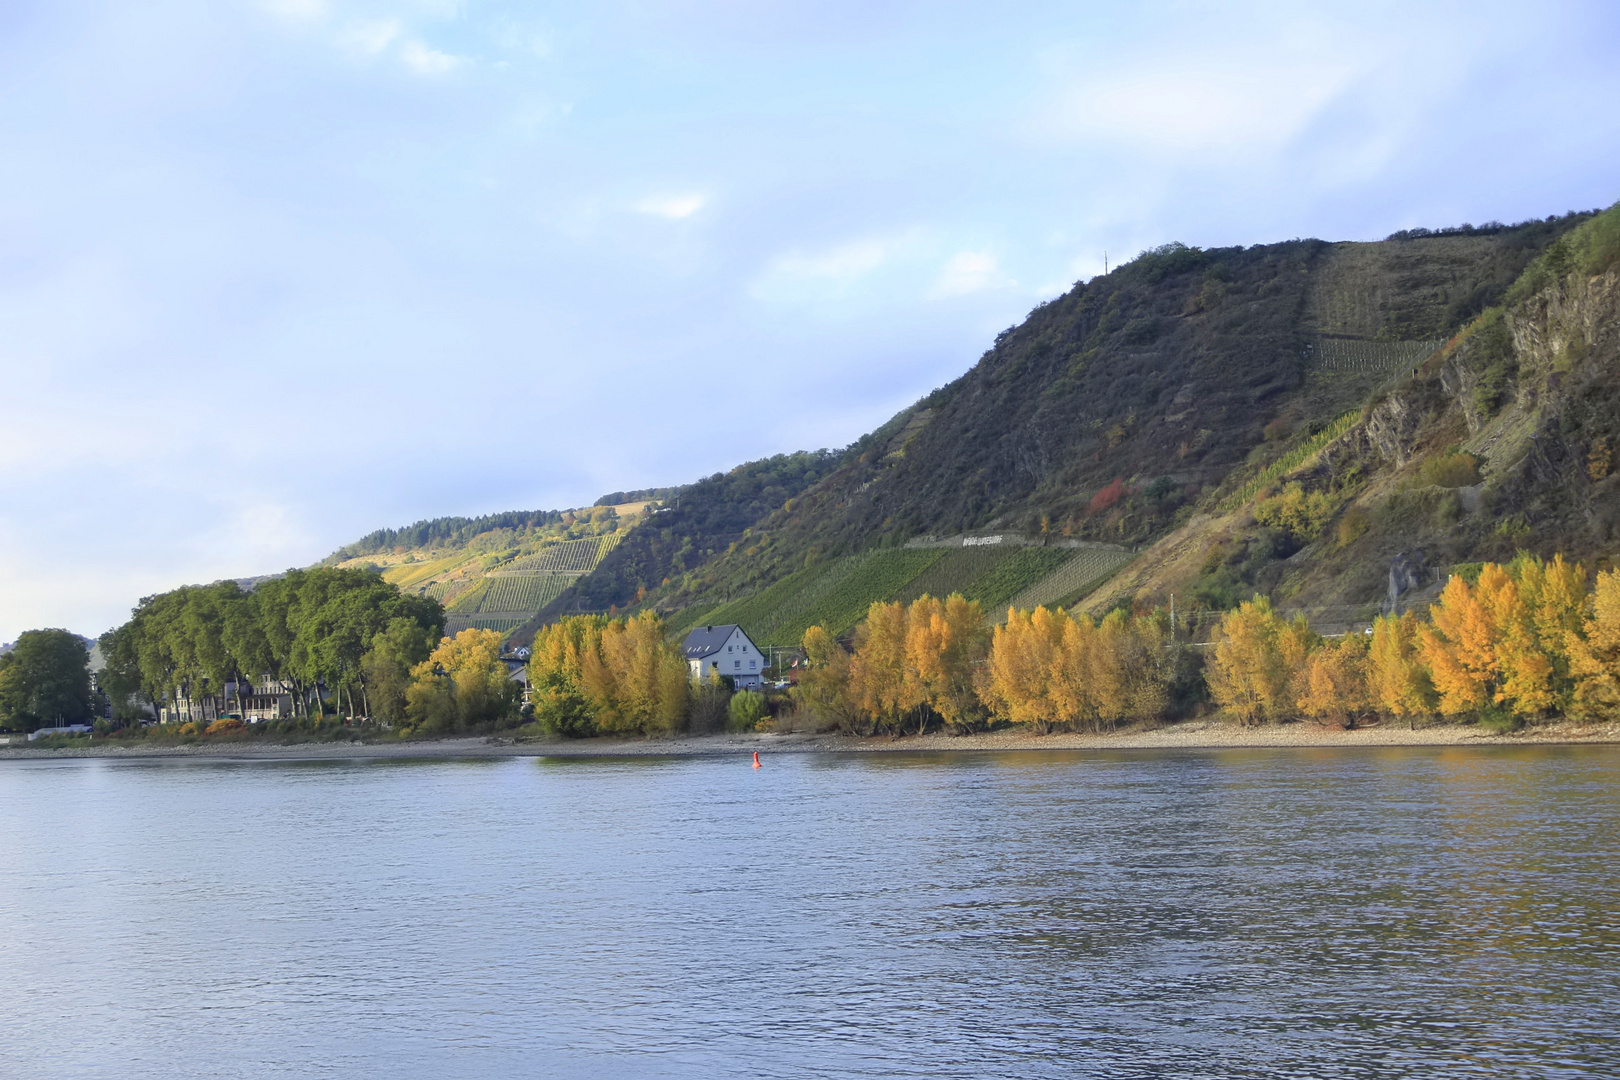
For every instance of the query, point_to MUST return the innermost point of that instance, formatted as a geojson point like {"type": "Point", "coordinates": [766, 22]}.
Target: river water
{"type": "Point", "coordinates": [1227, 913]}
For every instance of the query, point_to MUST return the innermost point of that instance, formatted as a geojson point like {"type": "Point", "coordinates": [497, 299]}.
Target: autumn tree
{"type": "Point", "coordinates": [1458, 645]}
{"type": "Point", "coordinates": [1251, 670]}
{"type": "Point", "coordinates": [1332, 688]}
{"type": "Point", "coordinates": [463, 683]}
{"type": "Point", "coordinates": [943, 641]}
{"type": "Point", "coordinates": [1025, 651]}
{"type": "Point", "coordinates": [881, 683]}
{"type": "Point", "coordinates": [1594, 652]}
{"type": "Point", "coordinates": [1398, 683]}
{"type": "Point", "coordinates": [556, 665]}
{"type": "Point", "coordinates": [635, 680]}
{"type": "Point", "coordinates": [823, 689]}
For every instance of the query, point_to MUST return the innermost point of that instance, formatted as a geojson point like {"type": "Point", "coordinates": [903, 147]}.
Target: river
{"type": "Point", "coordinates": [1225, 913]}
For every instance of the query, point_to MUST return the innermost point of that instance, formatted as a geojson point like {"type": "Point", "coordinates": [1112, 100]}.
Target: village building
{"type": "Point", "coordinates": [725, 650]}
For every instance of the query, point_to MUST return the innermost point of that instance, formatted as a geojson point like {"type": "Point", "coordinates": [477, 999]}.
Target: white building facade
{"type": "Point", "coordinates": [725, 650]}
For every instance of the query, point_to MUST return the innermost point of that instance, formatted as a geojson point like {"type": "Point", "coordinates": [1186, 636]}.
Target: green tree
{"type": "Point", "coordinates": [747, 708]}
{"type": "Point", "coordinates": [45, 681]}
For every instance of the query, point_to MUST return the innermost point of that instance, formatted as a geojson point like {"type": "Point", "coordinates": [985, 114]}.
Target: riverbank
{"type": "Point", "coordinates": [1190, 735]}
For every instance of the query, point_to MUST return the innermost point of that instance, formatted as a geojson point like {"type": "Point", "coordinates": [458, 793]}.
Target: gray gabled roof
{"type": "Point", "coordinates": [705, 640]}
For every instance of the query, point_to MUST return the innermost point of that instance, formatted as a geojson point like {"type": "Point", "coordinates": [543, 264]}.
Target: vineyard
{"type": "Point", "coordinates": [877, 575]}
{"type": "Point", "coordinates": [523, 592]}
{"type": "Point", "coordinates": [1075, 578]}
{"type": "Point", "coordinates": [956, 571]}
{"type": "Point", "coordinates": [568, 557]}
{"type": "Point", "coordinates": [502, 623]}
{"type": "Point", "coordinates": [1357, 357]}
{"type": "Point", "coordinates": [834, 595]}
{"type": "Point", "coordinates": [1020, 569]}
{"type": "Point", "coordinates": [1290, 461]}
{"type": "Point", "coordinates": [412, 574]}
{"type": "Point", "coordinates": [837, 594]}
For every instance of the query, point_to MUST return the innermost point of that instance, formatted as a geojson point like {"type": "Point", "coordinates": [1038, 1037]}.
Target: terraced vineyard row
{"type": "Point", "coordinates": [568, 557]}
{"type": "Point", "coordinates": [956, 571]}
{"type": "Point", "coordinates": [842, 603]}
{"type": "Point", "coordinates": [1339, 355]}
{"type": "Point", "coordinates": [1017, 571]}
{"type": "Point", "coordinates": [1071, 581]}
{"type": "Point", "coordinates": [836, 595]}
{"type": "Point", "coordinates": [1290, 461]}
{"type": "Point", "coordinates": [467, 603]}
{"type": "Point", "coordinates": [411, 575]}
{"type": "Point", "coordinates": [454, 624]}
{"type": "Point", "coordinates": [523, 592]}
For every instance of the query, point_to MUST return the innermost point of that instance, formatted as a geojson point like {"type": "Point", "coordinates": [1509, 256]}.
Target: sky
{"type": "Point", "coordinates": [276, 273]}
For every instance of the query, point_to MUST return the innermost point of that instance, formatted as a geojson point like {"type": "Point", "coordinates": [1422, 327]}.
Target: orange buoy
{"type": "Point", "coordinates": [756, 759]}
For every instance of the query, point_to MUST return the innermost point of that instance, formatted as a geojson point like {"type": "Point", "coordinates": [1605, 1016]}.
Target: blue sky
{"type": "Point", "coordinates": [274, 274]}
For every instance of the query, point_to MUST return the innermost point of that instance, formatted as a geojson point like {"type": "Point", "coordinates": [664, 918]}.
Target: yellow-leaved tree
{"type": "Point", "coordinates": [1554, 596]}
{"type": "Point", "coordinates": [461, 684]}
{"type": "Point", "coordinates": [556, 666]}
{"type": "Point", "coordinates": [823, 687]}
{"type": "Point", "coordinates": [882, 684]}
{"type": "Point", "coordinates": [1594, 653]}
{"type": "Point", "coordinates": [1398, 684]}
{"type": "Point", "coordinates": [1052, 669]}
{"type": "Point", "coordinates": [1458, 644]}
{"type": "Point", "coordinates": [1024, 653]}
{"type": "Point", "coordinates": [1332, 689]}
{"type": "Point", "coordinates": [1252, 669]}
{"type": "Point", "coordinates": [943, 640]}
{"type": "Point", "coordinates": [1493, 643]}
{"type": "Point", "coordinates": [635, 680]}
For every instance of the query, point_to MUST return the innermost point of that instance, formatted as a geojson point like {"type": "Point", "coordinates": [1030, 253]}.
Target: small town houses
{"type": "Point", "coordinates": [725, 650]}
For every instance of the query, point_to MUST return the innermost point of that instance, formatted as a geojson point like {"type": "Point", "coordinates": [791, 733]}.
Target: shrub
{"type": "Point", "coordinates": [1300, 514]}
{"type": "Point", "coordinates": [708, 705]}
{"type": "Point", "coordinates": [224, 725]}
{"type": "Point", "coordinates": [1455, 469]}
{"type": "Point", "coordinates": [1108, 497]}
{"type": "Point", "coordinates": [747, 708]}
{"type": "Point", "coordinates": [1353, 525]}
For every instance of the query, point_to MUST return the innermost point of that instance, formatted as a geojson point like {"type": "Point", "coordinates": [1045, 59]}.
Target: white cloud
{"type": "Point", "coordinates": [842, 263]}
{"type": "Point", "coordinates": [1170, 107]}
{"type": "Point", "coordinates": [371, 36]}
{"type": "Point", "coordinates": [297, 10]}
{"type": "Point", "coordinates": [674, 207]}
{"type": "Point", "coordinates": [427, 61]}
{"type": "Point", "coordinates": [970, 272]}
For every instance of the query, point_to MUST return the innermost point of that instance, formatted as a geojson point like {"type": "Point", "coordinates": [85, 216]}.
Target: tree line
{"type": "Point", "coordinates": [1503, 644]}
{"type": "Point", "coordinates": [344, 631]}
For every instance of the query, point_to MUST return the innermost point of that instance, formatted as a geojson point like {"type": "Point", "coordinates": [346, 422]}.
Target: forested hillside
{"type": "Point", "coordinates": [1185, 385]}
{"type": "Point", "coordinates": [1337, 424]}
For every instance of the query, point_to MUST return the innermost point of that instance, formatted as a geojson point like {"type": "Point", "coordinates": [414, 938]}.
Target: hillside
{"type": "Point", "coordinates": [495, 572]}
{"type": "Point", "coordinates": [1338, 424]}
{"type": "Point", "coordinates": [1182, 388]}
{"type": "Point", "coordinates": [1501, 440]}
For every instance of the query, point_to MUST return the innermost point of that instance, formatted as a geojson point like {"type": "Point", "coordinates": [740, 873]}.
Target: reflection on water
{"type": "Point", "coordinates": [1228, 913]}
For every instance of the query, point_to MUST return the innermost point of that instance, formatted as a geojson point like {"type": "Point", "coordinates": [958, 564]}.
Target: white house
{"type": "Point", "coordinates": [725, 650]}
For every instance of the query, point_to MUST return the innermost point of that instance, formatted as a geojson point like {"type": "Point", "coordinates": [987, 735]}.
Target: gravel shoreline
{"type": "Point", "coordinates": [1191, 735]}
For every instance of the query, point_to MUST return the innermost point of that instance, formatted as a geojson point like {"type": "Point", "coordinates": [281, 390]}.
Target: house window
{"type": "Point", "coordinates": [736, 663]}
{"type": "Point", "coordinates": [750, 665]}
